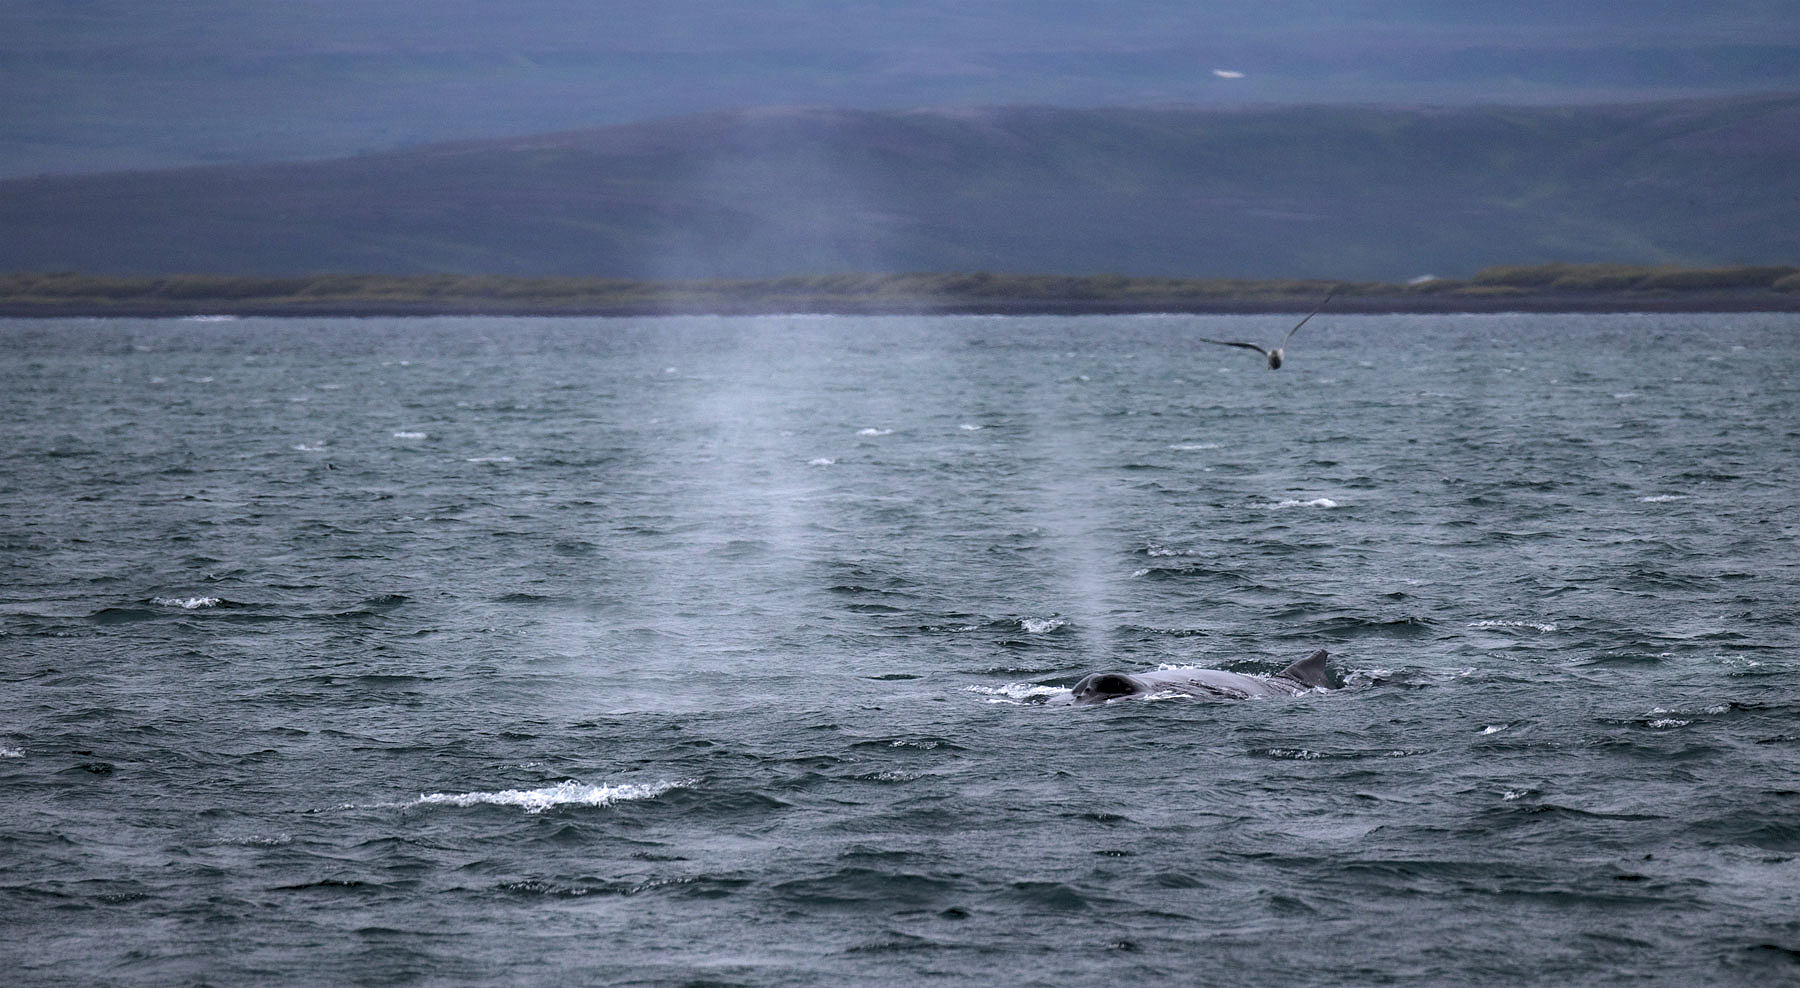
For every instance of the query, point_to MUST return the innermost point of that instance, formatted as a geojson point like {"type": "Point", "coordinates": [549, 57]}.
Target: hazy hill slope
{"type": "Point", "coordinates": [101, 85]}
{"type": "Point", "coordinates": [1315, 191]}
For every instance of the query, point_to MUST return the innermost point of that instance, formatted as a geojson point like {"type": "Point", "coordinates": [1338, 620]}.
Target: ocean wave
{"type": "Point", "coordinates": [820, 461]}
{"type": "Point", "coordinates": [6, 752]}
{"type": "Point", "coordinates": [1042, 626]}
{"type": "Point", "coordinates": [1194, 447]}
{"type": "Point", "coordinates": [1315, 755]}
{"type": "Point", "coordinates": [187, 603]}
{"type": "Point", "coordinates": [1317, 502]}
{"type": "Point", "coordinates": [411, 435]}
{"type": "Point", "coordinates": [1661, 498]}
{"type": "Point", "coordinates": [874, 432]}
{"type": "Point", "coordinates": [569, 793]}
{"type": "Point", "coordinates": [1544, 626]}
{"type": "Point", "coordinates": [492, 459]}
{"type": "Point", "coordinates": [1016, 692]}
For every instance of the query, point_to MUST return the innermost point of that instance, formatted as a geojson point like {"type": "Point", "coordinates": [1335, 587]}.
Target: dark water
{"type": "Point", "coordinates": [716, 651]}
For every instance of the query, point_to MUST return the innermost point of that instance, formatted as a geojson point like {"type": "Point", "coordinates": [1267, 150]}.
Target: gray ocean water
{"type": "Point", "coordinates": [724, 651]}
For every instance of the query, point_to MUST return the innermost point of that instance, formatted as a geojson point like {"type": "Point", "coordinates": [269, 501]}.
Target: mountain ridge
{"type": "Point", "coordinates": [1359, 192]}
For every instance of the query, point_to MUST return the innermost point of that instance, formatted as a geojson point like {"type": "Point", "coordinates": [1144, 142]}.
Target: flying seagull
{"type": "Point", "coordinates": [1275, 354]}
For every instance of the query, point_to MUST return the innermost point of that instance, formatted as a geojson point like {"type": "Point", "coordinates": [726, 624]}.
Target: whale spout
{"type": "Point", "coordinates": [1309, 671]}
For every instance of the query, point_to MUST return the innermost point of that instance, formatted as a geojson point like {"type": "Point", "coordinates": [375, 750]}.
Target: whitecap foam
{"type": "Point", "coordinates": [1039, 626]}
{"type": "Point", "coordinates": [1016, 692]}
{"type": "Point", "coordinates": [186, 603]}
{"type": "Point", "coordinates": [569, 793]}
{"type": "Point", "coordinates": [310, 447]}
{"type": "Point", "coordinates": [492, 459]}
{"type": "Point", "coordinates": [891, 776]}
{"type": "Point", "coordinates": [1194, 447]}
{"type": "Point", "coordinates": [874, 432]}
{"type": "Point", "coordinates": [820, 461]}
{"type": "Point", "coordinates": [1493, 729]}
{"type": "Point", "coordinates": [1317, 502]}
{"type": "Point", "coordinates": [1661, 498]}
{"type": "Point", "coordinates": [969, 427]}
{"type": "Point", "coordinates": [6, 752]}
{"type": "Point", "coordinates": [1544, 626]}
{"type": "Point", "coordinates": [1667, 722]}
{"type": "Point", "coordinates": [411, 435]}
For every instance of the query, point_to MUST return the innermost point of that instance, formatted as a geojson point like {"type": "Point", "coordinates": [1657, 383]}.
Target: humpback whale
{"type": "Point", "coordinates": [1275, 354]}
{"type": "Point", "coordinates": [1207, 684]}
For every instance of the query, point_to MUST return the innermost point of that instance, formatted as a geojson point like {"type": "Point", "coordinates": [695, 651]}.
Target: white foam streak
{"type": "Point", "coordinates": [1544, 626]}
{"type": "Point", "coordinates": [1317, 502]}
{"type": "Point", "coordinates": [1039, 626]}
{"type": "Point", "coordinates": [186, 603]}
{"type": "Point", "coordinates": [11, 752]}
{"type": "Point", "coordinates": [1661, 498]}
{"type": "Point", "coordinates": [1016, 692]}
{"type": "Point", "coordinates": [570, 793]}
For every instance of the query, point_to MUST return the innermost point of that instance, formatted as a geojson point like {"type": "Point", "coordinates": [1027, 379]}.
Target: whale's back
{"type": "Point", "coordinates": [1310, 671]}
{"type": "Point", "coordinates": [1104, 686]}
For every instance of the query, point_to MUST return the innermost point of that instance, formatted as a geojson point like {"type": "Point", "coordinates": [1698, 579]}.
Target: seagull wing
{"type": "Point", "coordinates": [1247, 346]}
{"type": "Point", "coordinates": [1309, 315]}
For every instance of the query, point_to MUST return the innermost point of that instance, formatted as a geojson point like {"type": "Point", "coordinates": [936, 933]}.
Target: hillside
{"type": "Point", "coordinates": [1327, 192]}
{"type": "Point", "coordinates": [102, 85]}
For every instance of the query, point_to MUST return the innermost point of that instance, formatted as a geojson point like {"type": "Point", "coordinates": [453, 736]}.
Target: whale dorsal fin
{"type": "Point", "coordinates": [1309, 671]}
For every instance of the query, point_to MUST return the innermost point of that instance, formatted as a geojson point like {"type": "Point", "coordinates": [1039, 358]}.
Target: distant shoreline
{"type": "Point", "coordinates": [1549, 288]}
{"type": "Point", "coordinates": [1027, 307]}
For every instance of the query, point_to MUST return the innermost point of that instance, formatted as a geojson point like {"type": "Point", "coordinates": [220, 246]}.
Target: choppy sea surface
{"type": "Point", "coordinates": [725, 651]}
